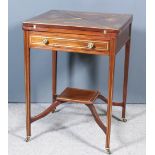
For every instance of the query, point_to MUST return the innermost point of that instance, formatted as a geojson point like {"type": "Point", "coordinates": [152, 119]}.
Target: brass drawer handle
{"type": "Point", "coordinates": [45, 41]}
{"type": "Point", "coordinates": [91, 45]}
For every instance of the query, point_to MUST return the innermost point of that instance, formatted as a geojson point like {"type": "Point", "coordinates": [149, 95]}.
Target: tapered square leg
{"type": "Point", "coordinates": [54, 76]}
{"type": "Point", "coordinates": [126, 69]}
{"type": "Point", "coordinates": [27, 85]}
{"type": "Point", "coordinates": [110, 98]}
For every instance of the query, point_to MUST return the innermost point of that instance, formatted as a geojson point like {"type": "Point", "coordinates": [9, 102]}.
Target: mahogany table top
{"type": "Point", "coordinates": [80, 20]}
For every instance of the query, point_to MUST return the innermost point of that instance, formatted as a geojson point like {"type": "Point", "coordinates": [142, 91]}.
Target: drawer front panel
{"type": "Point", "coordinates": [70, 43]}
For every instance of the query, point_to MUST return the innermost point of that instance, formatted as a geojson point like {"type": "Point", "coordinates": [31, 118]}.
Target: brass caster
{"type": "Point", "coordinates": [107, 151]}
{"type": "Point", "coordinates": [124, 120]}
{"type": "Point", "coordinates": [27, 138]}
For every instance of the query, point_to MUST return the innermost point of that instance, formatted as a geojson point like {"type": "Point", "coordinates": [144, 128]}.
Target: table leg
{"type": "Point", "coordinates": [110, 98]}
{"type": "Point", "coordinates": [126, 68]}
{"type": "Point", "coordinates": [27, 85]}
{"type": "Point", "coordinates": [54, 74]}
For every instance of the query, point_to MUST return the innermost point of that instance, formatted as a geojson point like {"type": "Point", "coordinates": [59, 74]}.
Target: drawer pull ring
{"type": "Point", "coordinates": [91, 45]}
{"type": "Point", "coordinates": [45, 41]}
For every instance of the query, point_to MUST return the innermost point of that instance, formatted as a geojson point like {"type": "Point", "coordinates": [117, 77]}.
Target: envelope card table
{"type": "Point", "coordinates": [78, 32]}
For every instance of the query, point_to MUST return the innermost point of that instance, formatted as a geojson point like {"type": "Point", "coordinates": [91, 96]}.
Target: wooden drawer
{"type": "Point", "coordinates": [71, 43]}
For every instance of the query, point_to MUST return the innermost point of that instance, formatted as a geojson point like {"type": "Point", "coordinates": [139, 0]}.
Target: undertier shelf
{"type": "Point", "coordinates": [78, 95]}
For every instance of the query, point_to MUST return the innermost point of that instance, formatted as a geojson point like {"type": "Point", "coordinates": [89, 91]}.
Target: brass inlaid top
{"type": "Point", "coordinates": [80, 20]}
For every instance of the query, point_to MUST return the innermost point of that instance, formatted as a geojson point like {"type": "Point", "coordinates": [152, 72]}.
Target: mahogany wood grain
{"type": "Point", "coordinates": [54, 74]}
{"type": "Point", "coordinates": [67, 35]}
{"type": "Point", "coordinates": [27, 82]}
{"type": "Point", "coordinates": [110, 92]}
{"type": "Point", "coordinates": [106, 101]}
{"type": "Point", "coordinates": [80, 20]}
{"type": "Point", "coordinates": [56, 41]}
{"type": "Point", "coordinates": [46, 111]}
{"type": "Point", "coordinates": [78, 95]}
{"type": "Point", "coordinates": [123, 37]}
{"type": "Point", "coordinates": [70, 31]}
{"type": "Point", "coordinates": [126, 69]}
{"type": "Point", "coordinates": [70, 42]}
